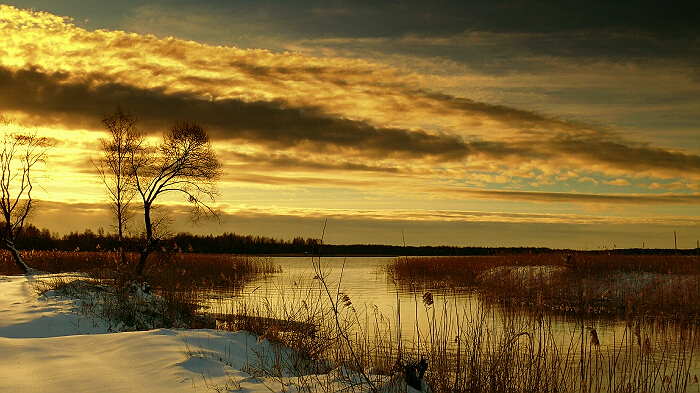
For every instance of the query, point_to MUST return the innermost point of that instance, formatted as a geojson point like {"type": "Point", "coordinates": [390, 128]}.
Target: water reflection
{"type": "Point", "coordinates": [593, 353]}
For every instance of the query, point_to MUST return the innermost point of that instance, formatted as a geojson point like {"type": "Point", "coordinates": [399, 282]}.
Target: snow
{"type": "Point", "coordinates": [46, 346]}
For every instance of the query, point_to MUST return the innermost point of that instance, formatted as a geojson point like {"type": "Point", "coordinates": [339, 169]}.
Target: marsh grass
{"type": "Point", "coordinates": [124, 308]}
{"type": "Point", "coordinates": [481, 347]}
{"type": "Point", "coordinates": [166, 270]}
{"type": "Point", "coordinates": [463, 271]}
{"type": "Point", "coordinates": [491, 348]}
{"type": "Point", "coordinates": [513, 341]}
{"type": "Point", "coordinates": [171, 294]}
{"type": "Point", "coordinates": [300, 317]}
{"type": "Point", "coordinates": [484, 346]}
{"type": "Point", "coordinates": [599, 283]}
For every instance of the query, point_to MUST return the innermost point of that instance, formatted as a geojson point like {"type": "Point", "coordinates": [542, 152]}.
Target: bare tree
{"type": "Point", "coordinates": [22, 153]}
{"type": "Point", "coordinates": [115, 168]}
{"type": "Point", "coordinates": [183, 163]}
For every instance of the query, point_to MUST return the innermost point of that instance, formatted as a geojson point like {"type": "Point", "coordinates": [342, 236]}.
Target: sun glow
{"type": "Point", "coordinates": [313, 129]}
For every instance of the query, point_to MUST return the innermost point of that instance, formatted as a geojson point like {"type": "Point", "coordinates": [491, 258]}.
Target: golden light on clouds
{"type": "Point", "coordinates": [291, 127]}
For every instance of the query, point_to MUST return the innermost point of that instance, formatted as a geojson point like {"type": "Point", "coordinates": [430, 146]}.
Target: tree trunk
{"type": "Point", "coordinates": [10, 246]}
{"type": "Point", "coordinates": [150, 241]}
{"type": "Point", "coordinates": [120, 234]}
{"type": "Point", "coordinates": [121, 246]}
{"type": "Point", "coordinates": [142, 259]}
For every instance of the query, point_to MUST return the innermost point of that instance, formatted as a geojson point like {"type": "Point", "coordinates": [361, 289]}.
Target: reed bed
{"type": "Point", "coordinates": [163, 269]}
{"type": "Point", "coordinates": [660, 285]}
{"type": "Point", "coordinates": [652, 302]}
{"type": "Point", "coordinates": [482, 347]}
{"type": "Point", "coordinates": [496, 349]}
{"type": "Point", "coordinates": [463, 271]}
{"type": "Point", "coordinates": [489, 345]}
{"type": "Point", "coordinates": [107, 288]}
{"type": "Point", "coordinates": [128, 307]}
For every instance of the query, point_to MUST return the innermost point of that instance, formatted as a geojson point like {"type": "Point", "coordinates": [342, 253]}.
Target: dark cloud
{"type": "Point", "coordinates": [52, 98]}
{"type": "Point", "coordinates": [637, 157]}
{"type": "Point", "coordinates": [594, 150]}
{"type": "Point", "coordinates": [393, 18]}
{"type": "Point", "coordinates": [612, 154]}
{"type": "Point", "coordinates": [546, 137]}
{"type": "Point", "coordinates": [371, 18]}
{"type": "Point", "coordinates": [523, 120]}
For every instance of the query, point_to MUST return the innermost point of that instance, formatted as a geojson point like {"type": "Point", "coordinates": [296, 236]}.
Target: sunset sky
{"type": "Point", "coordinates": [515, 123]}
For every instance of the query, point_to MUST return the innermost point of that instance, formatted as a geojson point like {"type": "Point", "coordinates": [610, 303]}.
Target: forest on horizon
{"type": "Point", "coordinates": [43, 239]}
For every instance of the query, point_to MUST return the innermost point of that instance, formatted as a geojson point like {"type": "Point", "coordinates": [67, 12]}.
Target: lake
{"type": "Point", "coordinates": [600, 351]}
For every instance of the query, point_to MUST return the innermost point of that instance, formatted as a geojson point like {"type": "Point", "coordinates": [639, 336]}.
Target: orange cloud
{"type": "Point", "coordinates": [328, 120]}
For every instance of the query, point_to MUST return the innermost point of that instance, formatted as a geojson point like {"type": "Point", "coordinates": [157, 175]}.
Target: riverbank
{"type": "Point", "coordinates": [47, 346]}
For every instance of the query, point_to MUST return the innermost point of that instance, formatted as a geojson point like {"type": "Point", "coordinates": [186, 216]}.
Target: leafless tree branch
{"type": "Point", "coordinates": [183, 163]}
{"type": "Point", "coordinates": [22, 153]}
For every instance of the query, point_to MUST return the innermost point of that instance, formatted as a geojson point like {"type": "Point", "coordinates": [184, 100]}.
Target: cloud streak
{"type": "Point", "coordinates": [269, 123]}
{"type": "Point", "coordinates": [53, 98]}
{"type": "Point", "coordinates": [290, 119]}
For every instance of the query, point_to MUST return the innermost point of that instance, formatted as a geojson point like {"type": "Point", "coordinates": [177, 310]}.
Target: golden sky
{"type": "Point", "coordinates": [577, 136]}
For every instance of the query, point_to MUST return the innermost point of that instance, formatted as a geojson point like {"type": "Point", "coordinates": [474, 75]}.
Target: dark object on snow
{"type": "Point", "coordinates": [144, 287]}
{"type": "Point", "coordinates": [414, 372]}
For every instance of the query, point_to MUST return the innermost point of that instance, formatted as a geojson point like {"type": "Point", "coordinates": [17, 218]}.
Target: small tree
{"type": "Point", "coordinates": [115, 168]}
{"type": "Point", "coordinates": [183, 163]}
{"type": "Point", "coordinates": [21, 154]}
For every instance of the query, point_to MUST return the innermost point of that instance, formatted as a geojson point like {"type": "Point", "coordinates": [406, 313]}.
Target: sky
{"type": "Point", "coordinates": [516, 123]}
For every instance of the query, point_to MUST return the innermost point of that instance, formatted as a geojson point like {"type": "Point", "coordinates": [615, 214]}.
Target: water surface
{"type": "Point", "coordinates": [359, 288]}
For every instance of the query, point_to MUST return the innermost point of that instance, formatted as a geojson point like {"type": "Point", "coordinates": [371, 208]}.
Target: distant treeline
{"type": "Point", "coordinates": [34, 238]}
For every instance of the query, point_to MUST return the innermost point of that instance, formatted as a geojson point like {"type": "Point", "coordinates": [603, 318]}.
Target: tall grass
{"type": "Point", "coordinates": [514, 342]}
{"type": "Point", "coordinates": [498, 350]}
{"type": "Point", "coordinates": [107, 288]}
{"type": "Point", "coordinates": [662, 285]}
{"type": "Point", "coordinates": [478, 347]}
{"type": "Point", "coordinates": [464, 270]}
{"type": "Point", "coordinates": [165, 269]}
{"type": "Point", "coordinates": [488, 345]}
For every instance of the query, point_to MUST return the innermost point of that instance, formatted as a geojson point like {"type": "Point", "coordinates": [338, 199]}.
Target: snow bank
{"type": "Point", "coordinates": [47, 347]}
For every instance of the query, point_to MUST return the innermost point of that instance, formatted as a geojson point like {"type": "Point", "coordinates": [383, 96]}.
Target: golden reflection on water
{"type": "Point", "coordinates": [598, 349]}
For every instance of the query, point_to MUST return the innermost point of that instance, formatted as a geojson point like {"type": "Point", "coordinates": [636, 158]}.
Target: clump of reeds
{"type": "Point", "coordinates": [127, 307]}
{"type": "Point", "coordinates": [598, 283]}
{"type": "Point", "coordinates": [164, 269]}
{"type": "Point", "coordinates": [464, 270]}
{"type": "Point", "coordinates": [222, 271]}
{"type": "Point", "coordinates": [493, 349]}
{"type": "Point", "coordinates": [508, 343]}
{"type": "Point", "coordinates": [65, 261]}
{"type": "Point", "coordinates": [670, 296]}
{"type": "Point", "coordinates": [419, 272]}
{"type": "Point", "coordinates": [177, 285]}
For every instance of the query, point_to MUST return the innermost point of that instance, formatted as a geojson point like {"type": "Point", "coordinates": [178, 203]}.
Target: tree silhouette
{"type": "Point", "coordinates": [115, 170]}
{"type": "Point", "coordinates": [184, 163]}
{"type": "Point", "coordinates": [21, 155]}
